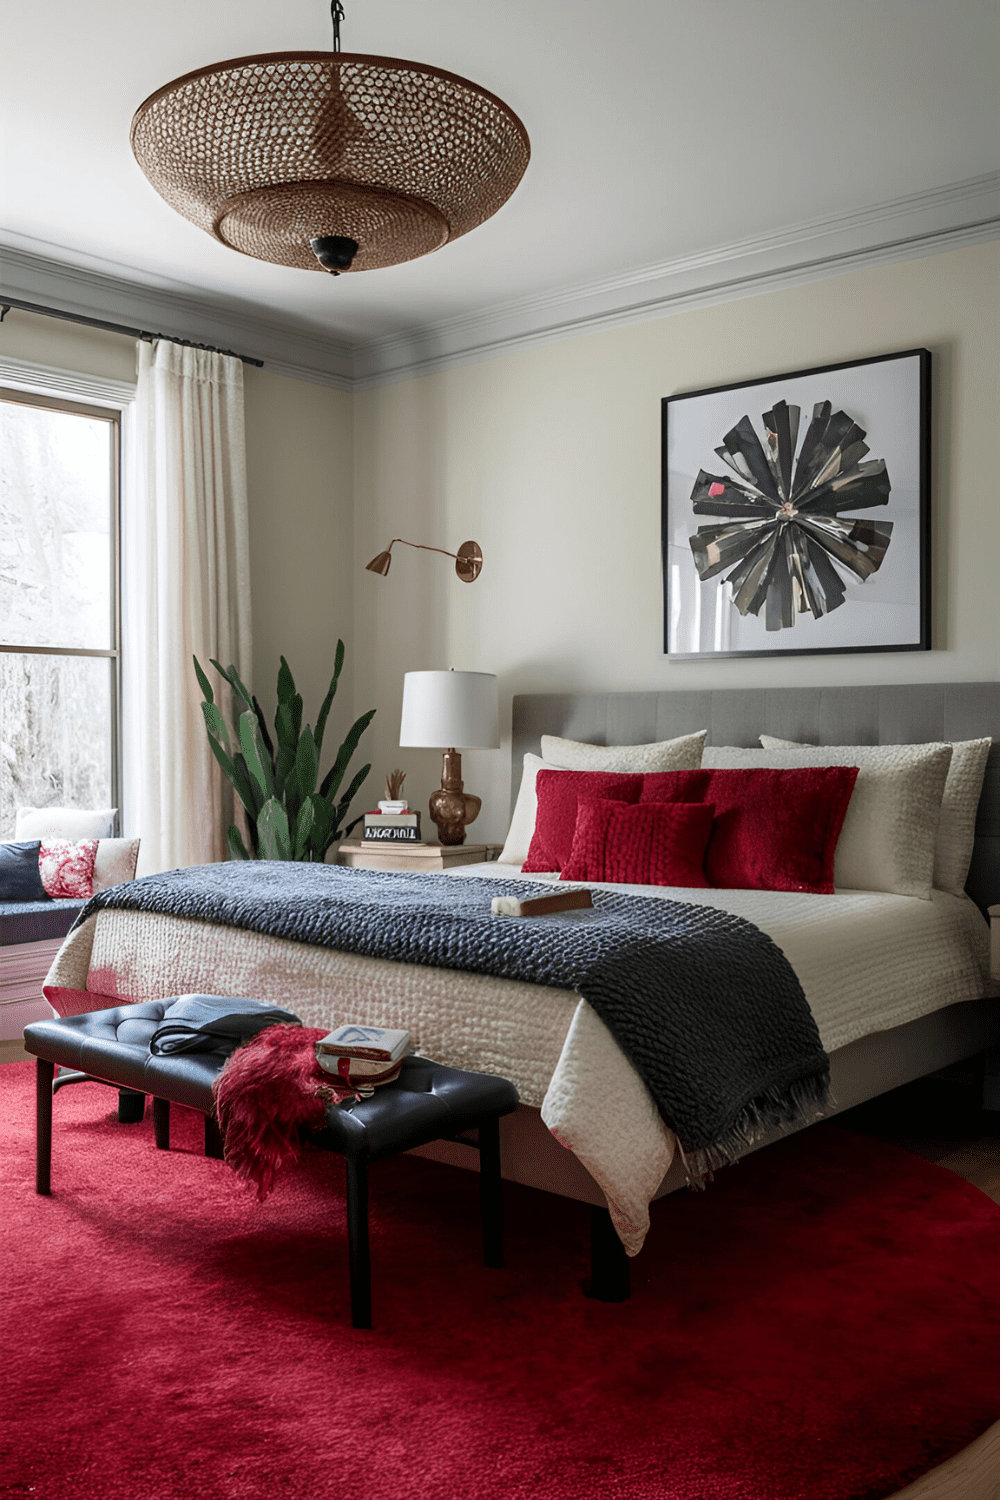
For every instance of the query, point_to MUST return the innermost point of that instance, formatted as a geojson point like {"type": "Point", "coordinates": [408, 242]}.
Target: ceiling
{"type": "Point", "coordinates": [659, 128]}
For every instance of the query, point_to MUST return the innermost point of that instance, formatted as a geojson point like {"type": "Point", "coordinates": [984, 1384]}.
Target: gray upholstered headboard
{"type": "Point", "coordinates": [904, 714]}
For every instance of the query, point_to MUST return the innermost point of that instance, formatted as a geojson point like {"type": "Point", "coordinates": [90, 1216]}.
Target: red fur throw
{"type": "Point", "coordinates": [266, 1092]}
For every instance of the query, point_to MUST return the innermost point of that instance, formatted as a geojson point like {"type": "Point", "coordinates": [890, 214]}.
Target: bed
{"type": "Point", "coordinates": [899, 987]}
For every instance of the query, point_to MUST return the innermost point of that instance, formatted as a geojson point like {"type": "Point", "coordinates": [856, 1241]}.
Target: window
{"type": "Point", "coordinates": [59, 604]}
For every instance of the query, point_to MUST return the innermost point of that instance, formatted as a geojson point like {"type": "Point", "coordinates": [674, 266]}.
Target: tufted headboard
{"type": "Point", "coordinates": [905, 714]}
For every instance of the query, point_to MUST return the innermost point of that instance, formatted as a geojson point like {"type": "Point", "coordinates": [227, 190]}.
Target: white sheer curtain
{"type": "Point", "coordinates": [186, 591]}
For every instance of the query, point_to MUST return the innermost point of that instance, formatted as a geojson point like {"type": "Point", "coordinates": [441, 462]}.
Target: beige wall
{"type": "Point", "coordinates": [299, 470]}
{"type": "Point", "coordinates": [550, 459]}
{"type": "Point", "coordinates": [300, 480]}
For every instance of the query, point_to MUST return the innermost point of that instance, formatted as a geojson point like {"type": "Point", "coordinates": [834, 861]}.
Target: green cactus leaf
{"type": "Point", "coordinates": [234, 839]}
{"type": "Point", "coordinates": [238, 686]}
{"type": "Point", "coordinates": [216, 725]}
{"type": "Point", "coordinates": [324, 712]}
{"type": "Point", "coordinates": [286, 683]}
{"type": "Point", "coordinates": [303, 828]}
{"type": "Point", "coordinates": [272, 830]}
{"type": "Point", "coordinates": [284, 764]}
{"type": "Point", "coordinates": [268, 746]}
{"type": "Point", "coordinates": [323, 827]}
{"type": "Point", "coordinates": [284, 726]}
{"type": "Point", "coordinates": [247, 789]}
{"type": "Point", "coordinates": [306, 763]}
{"type": "Point", "coordinates": [257, 759]}
{"type": "Point", "coordinates": [335, 775]}
{"type": "Point", "coordinates": [203, 682]}
{"type": "Point", "coordinates": [296, 707]}
{"type": "Point", "coordinates": [350, 794]}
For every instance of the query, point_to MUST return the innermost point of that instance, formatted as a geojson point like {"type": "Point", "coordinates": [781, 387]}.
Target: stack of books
{"type": "Point", "coordinates": [392, 827]}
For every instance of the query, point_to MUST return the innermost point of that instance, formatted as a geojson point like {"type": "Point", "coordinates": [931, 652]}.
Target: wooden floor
{"type": "Point", "coordinates": [928, 1119]}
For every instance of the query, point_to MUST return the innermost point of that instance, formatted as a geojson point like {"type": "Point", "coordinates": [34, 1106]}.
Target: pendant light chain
{"type": "Point", "coordinates": [337, 15]}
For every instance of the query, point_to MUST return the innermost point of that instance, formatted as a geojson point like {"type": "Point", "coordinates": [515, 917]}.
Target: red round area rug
{"type": "Point", "coordinates": [821, 1324]}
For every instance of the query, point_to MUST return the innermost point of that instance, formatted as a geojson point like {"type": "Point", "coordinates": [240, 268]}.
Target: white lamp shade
{"type": "Point", "coordinates": [450, 710]}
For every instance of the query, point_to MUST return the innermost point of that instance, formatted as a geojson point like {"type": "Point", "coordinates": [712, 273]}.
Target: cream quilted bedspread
{"type": "Point", "coordinates": [867, 962]}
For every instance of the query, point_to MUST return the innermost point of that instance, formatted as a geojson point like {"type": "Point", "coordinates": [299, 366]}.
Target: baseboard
{"type": "Point", "coordinates": [13, 1051]}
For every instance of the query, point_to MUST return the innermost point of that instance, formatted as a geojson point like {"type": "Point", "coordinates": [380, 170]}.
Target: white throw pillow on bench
{"type": "Point", "coordinates": [73, 823]}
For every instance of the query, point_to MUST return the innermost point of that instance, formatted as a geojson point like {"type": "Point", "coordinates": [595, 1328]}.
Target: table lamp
{"type": "Point", "coordinates": [457, 710]}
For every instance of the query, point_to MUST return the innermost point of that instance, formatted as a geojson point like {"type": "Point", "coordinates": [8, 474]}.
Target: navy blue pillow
{"type": "Point", "coordinates": [20, 878]}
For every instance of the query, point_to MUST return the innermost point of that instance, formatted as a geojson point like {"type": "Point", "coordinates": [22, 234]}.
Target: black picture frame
{"type": "Point", "coordinates": [778, 531]}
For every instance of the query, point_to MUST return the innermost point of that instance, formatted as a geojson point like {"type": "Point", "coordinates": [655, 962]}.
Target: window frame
{"type": "Point", "coordinates": [114, 415]}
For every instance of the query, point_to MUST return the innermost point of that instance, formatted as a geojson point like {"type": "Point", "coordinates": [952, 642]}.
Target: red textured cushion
{"type": "Point", "coordinates": [675, 786]}
{"type": "Point", "coordinates": [67, 869]}
{"type": "Point", "coordinates": [651, 843]}
{"type": "Point", "coordinates": [555, 819]}
{"type": "Point", "coordinates": [777, 830]}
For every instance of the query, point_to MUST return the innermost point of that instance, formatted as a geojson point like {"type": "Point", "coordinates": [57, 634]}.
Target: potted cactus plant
{"type": "Point", "coordinates": [287, 816]}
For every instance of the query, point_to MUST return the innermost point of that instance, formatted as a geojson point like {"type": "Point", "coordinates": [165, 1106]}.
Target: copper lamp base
{"type": "Point", "coordinates": [452, 807]}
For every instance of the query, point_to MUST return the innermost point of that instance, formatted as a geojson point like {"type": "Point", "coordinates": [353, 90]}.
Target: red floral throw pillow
{"type": "Point", "coordinates": [555, 820]}
{"type": "Point", "coordinates": [777, 830]}
{"type": "Point", "coordinates": [67, 870]}
{"type": "Point", "coordinates": [650, 843]}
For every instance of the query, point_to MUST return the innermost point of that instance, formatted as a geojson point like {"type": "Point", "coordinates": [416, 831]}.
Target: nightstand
{"type": "Point", "coordinates": [362, 856]}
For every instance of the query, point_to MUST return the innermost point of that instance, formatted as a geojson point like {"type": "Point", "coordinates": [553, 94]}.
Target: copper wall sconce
{"type": "Point", "coordinates": [468, 558]}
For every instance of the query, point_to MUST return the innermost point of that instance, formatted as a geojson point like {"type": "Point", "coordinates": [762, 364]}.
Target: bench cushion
{"type": "Point", "coordinates": [36, 921]}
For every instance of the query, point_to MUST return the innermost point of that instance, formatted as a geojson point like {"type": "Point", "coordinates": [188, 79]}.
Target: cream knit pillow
{"type": "Point", "coordinates": [681, 754]}
{"type": "Point", "coordinates": [889, 834]}
{"type": "Point", "coordinates": [959, 805]}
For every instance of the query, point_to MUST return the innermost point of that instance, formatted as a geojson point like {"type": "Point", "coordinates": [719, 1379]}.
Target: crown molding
{"type": "Point", "coordinates": [925, 223]}
{"type": "Point", "coordinates": [176, 311]}
{"type": "Point", "coordinates": [47, 380]}
{"type": "Point", "coordinates": [963, 213]}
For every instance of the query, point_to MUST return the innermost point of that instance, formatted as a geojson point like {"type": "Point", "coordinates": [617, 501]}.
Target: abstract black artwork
{"type": "Point", "coordinates": [811, 544]}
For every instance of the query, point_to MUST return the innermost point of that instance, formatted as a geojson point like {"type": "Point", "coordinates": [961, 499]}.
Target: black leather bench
{"type": "Point", "coordinates": [428, 1102]}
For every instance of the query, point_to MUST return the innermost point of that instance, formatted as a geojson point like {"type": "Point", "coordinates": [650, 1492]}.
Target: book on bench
{"type": "Point", "coordinates": [372, 1054]}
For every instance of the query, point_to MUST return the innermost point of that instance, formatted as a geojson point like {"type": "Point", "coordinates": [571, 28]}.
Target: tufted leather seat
{"type": "Point", "coordinates": [428, 1102]}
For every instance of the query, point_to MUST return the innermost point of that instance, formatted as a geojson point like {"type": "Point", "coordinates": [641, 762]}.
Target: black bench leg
{"type": "Point", "coordinates": [44, 1072]}
{"type": "Point", "coordinates": [610, 1280]}
{"type": "Point", "coordinates": [161, 1123]}
{"type": "Point", "coordinates": [357, 1236]}
{"type": "Point", "coordinates": [131, 1106]}
{"type": "Point", "coordinates": [214, 1145]}
{"type": "Point", "coordinates": [491, 1191]}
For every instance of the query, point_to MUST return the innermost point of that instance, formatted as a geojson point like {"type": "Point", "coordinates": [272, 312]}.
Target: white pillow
{"type": "Point", "coordinates": [888, 838]}
{"type": "Point", "coordinates": [115, 862]}
{"type": "Point", "coordinates": [522, 824]}
{"type": "Point", "coordinates": [73, 823]}
{"type": "Point", "coordinates": [681, 754]}
{"type": "Point", "coordinates": [959, 805]}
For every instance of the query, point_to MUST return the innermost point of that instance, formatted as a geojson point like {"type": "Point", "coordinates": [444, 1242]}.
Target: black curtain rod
{"type": "Point", "coordinates": [6, 303]}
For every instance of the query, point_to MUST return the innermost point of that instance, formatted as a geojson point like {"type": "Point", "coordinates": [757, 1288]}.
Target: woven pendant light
{"type": "Point", "coordinates": [330, 161]}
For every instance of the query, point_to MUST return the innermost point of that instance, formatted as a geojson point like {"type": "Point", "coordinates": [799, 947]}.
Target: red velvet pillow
{"type": "Point", "coordinates": [555, 820]}
{"type": "Point", "coordinates": [675, 786]}
{"type": "Point", "coordinates": [777, 830]}
{"type": "Point", "coordinates": [651, 843]}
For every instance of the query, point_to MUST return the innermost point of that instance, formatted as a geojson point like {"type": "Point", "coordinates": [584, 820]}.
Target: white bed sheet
{"type": "Point", "coordinates": [866, 961]}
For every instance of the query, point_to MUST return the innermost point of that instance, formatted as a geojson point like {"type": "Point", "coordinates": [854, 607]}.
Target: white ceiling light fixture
{"type": "Point", "coordinates": [330, 161]}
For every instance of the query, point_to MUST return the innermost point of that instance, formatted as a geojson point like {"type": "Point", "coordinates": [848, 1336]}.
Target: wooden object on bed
{"type": "Point", "coordinates": [542, 906]}
{"type": "Point", "coordinates": [413, 857]}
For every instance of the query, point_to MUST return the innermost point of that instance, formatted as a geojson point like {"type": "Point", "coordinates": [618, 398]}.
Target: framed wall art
{"type": "Point", "coordinates": [796, 512]}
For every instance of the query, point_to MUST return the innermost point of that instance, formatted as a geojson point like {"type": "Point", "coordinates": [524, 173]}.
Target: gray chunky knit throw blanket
{"type": "Point", "coordinates": [705, 1006]}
